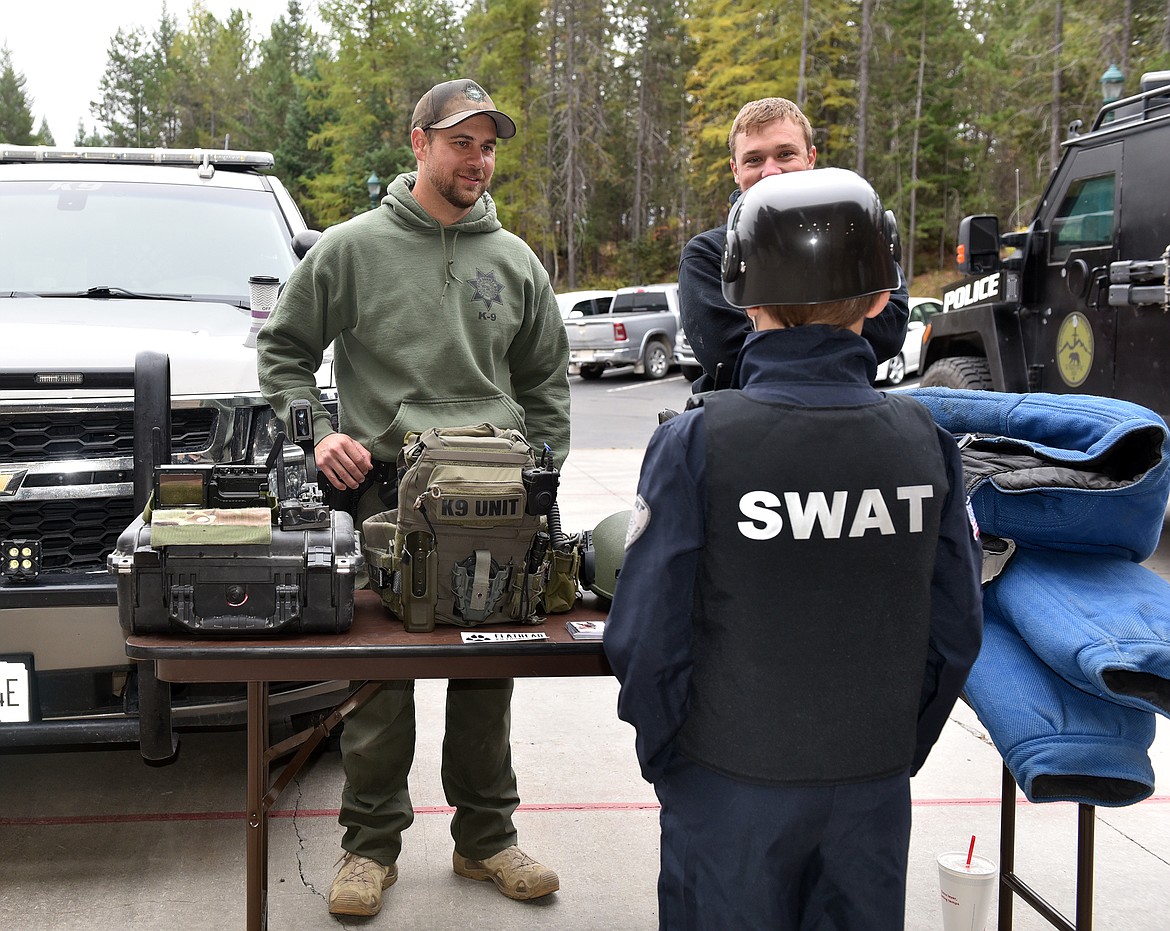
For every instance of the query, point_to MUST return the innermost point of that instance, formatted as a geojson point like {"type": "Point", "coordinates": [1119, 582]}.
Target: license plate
{"type": "Point", "coordinates": [584, 355]}
{"type": "Point", "coordinates": [15, 689]}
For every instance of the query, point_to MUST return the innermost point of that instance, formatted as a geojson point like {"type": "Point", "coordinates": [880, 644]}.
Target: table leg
{"type": "Point", "coordinates": [257, 846]}
{"type": "Point", "coordinates": [1007, 848]}
{"type": "Point", "coordinates": [1086, 822]}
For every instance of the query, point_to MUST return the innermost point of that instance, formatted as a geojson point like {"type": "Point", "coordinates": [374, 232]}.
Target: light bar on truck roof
{"type": "Point", "coordinates": [226, 158]}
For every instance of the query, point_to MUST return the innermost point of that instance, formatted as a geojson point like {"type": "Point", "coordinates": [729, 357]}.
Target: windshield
{"type": "Point", "coordinates": [147, 238]}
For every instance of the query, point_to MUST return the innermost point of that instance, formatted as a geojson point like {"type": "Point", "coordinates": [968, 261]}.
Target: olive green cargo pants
{"type": "Point", "coordinates": [377, 749]}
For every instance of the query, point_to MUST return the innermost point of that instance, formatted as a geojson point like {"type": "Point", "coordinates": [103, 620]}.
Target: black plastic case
{"type": "Point", "coordinates": [302, 583]}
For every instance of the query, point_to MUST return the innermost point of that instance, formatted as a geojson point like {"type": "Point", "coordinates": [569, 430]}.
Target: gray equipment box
{"type": "Point", "coordinates": [302, 582]}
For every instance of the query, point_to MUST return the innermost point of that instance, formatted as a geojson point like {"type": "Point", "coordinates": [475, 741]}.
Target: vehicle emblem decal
{"type": "Point", "coordinates": [1074, 350]}
{"type": "Point", "coordinates": [486, 288]}
{"type": "Point", "coordinates": [10, 482]}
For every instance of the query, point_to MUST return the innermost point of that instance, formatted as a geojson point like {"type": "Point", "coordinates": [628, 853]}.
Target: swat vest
{"type": "Point", "coordinates": [812, 606]}
{"type": "Point", "coordinates": [468, 542]}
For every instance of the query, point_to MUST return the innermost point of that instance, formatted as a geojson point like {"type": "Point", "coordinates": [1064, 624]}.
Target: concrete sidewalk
{"type": "Point", "coordinates": [97, 840]}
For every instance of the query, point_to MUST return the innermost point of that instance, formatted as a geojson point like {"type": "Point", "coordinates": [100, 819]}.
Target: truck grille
{"type": "Point", "coordinates": [75, 535]}
{"type": "Point", "coordinates": [54, 437]}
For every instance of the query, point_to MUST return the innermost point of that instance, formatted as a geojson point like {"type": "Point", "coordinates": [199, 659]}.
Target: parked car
{"type": "Point", "coordinates": [909, 360]}
{"type": "Point", "coordinates": [684, 356]}
{"type": "Point", "coordinates": [639, 330]}
{"type": "Point", "coordinates": [575, 304]}
{"type": "Point", "coordinates": [108, 252]}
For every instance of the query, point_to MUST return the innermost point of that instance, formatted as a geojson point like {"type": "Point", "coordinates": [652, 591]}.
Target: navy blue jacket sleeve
{"type": "Point", "coordinates": [887, 331]}
{"type": "Point", "coordinates": [648, 631]}
{"type": "Point", "coordinates": [716, 330]}
{"type": "Point", "coordinates": [956, 606]}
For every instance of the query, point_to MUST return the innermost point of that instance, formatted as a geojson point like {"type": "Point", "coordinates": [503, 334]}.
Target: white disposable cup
{"type": "Point", "coordinates": [262, 292]}
{"type": "Point", "coordinates": [965, 891]}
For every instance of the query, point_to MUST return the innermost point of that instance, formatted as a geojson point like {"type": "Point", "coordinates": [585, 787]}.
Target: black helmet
{"type": "Point", "coordinates": [809, 237]}
{"type": "Point", "coordinates": [602, 554]}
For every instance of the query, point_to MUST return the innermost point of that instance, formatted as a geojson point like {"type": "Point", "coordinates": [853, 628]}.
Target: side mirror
{"type": "Point", "coordinates": [978, 249]}
{"type": "Point", "coordinates": [304, 241]}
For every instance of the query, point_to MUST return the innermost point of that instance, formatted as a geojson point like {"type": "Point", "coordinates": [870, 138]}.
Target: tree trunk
{"type": "Point", "coordinates": [572, 138]}
{"type": "Point", "coordinates": [1126, 36]}
{"type": "Point", "coordinates": [863, 82]}
{"type": "Point", "coordinates": [908, 252]}
{"type": "Point", "coordinates": [640, 144]}
{"type": "Point", "coordinates": [801, 87]}
{"type": "Point", "coordinates": [1057, 44]}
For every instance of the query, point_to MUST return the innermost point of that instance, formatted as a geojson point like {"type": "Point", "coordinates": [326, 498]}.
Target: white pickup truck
{"type": "Point", "coordinates": [639, 330]}
{"type": "Point", "coordinates": [108, 252]}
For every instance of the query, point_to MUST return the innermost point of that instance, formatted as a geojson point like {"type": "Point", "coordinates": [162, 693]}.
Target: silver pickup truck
{"type": "Point", "coordinates": [639, 330]}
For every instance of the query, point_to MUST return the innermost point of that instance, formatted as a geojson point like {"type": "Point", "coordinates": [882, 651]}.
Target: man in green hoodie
{"type": "Point", "coordinates": [438, 317]}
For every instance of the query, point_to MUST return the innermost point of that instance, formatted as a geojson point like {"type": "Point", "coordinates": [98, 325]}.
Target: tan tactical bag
{"type": "Point", "coordinates": [461, 547]}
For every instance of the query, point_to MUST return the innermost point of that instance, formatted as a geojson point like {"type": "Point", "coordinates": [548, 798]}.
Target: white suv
{"type": "Point", "coordinates": [108, 252]}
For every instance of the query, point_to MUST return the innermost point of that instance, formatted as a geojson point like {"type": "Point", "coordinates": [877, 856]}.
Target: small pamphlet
{"type": "Point", "coordinates": [586, 630]}
{"type": "Point", "coordinates": [489, 636]}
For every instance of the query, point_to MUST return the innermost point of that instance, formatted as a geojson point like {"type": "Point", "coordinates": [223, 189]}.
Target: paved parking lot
{"type": "Point", "coordinates": [97, 840]}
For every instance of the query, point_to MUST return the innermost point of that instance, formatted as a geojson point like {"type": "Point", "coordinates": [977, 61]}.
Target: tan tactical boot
{"type": "Point", "coordinates": [515, 873]}
{"type": "Point", "coordinates": [357, 890]}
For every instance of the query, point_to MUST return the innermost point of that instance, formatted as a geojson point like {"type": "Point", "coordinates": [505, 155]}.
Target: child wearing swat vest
{"type": "Point", "coordinates": [799, 604]}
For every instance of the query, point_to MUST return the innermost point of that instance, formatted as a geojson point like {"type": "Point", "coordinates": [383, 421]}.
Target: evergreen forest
{"type": "Point", "coordinates": [948, 107]}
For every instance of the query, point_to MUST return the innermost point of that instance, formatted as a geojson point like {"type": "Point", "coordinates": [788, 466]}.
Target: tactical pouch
{"type": "Point", "coordinates": [461, 547]}
{"type": "Point", "coordinates": [560, 592]}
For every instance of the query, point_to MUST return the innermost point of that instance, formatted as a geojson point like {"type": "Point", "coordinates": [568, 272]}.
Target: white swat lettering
{"type": "Point", "coordinates": [816, 510]}
{"type": "Point", "coordinates": [806, 513]}
{"type": "Point", "coordinates": [872, 514]}
{"type": "Point", "coordinates": [915, 494]}
{"type": "Point", "coordinates": [763, 523]}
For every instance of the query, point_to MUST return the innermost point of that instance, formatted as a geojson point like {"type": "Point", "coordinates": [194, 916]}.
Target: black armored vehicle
{"type": "Point", "coordinates": [1078, 304]}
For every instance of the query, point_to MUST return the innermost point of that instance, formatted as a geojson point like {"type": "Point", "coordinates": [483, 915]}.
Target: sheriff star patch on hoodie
{"type": "Point", "coordinates": [486, 288]}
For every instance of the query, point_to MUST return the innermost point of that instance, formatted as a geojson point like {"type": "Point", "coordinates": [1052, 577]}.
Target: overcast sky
{"type": "Point", "coordinates": [61, 46]}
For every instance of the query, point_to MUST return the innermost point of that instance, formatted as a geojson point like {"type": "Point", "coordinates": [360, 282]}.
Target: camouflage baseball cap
{"type": "Point", "coordinates": [452, 102]}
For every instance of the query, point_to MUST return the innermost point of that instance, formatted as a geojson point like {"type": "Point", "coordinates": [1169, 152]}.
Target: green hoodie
{"type": "Point", "coordinates": [430, 325]}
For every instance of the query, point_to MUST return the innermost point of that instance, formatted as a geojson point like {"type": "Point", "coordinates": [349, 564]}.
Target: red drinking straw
{"type": "Point", "coordinates": [970, 851]}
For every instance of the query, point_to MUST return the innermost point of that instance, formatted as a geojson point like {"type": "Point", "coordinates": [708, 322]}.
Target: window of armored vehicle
{"type": "Point", "coordinates": [1085, 217]}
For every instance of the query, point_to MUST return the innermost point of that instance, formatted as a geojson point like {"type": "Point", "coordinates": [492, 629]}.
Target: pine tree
{"type": "Point", "coordinates": [388, 55]}
{"type": "Point", "coordinates": [16, 119]}
{"type": "Point", "coordinates": [507, 53]}
{"type": "Point", "coordinates": [215, 62]}
{"type": "Point", "coordinates": [121, 105]}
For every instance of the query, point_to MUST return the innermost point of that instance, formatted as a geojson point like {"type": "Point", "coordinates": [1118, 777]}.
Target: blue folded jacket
{"type": "Point", "coordinates": [1061, 744]}
{"type": "Point", "coordinates": [1076, 473]}
{"type": "Point", "coordinates": [1101, 622]}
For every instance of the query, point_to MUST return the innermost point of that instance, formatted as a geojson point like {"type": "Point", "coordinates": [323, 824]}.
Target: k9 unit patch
{"type": "Point", "coordinates": [472, 509]}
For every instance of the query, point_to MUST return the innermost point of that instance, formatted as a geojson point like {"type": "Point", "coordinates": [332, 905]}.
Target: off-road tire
{"type": "Point", "coordinates": [591, 372]}
{"type": "Point", "coordinates": [969, 372]}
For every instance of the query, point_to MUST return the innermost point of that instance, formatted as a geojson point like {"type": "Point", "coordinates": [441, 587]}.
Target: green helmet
{"type": "Point", "coordinates": [602, 554]}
